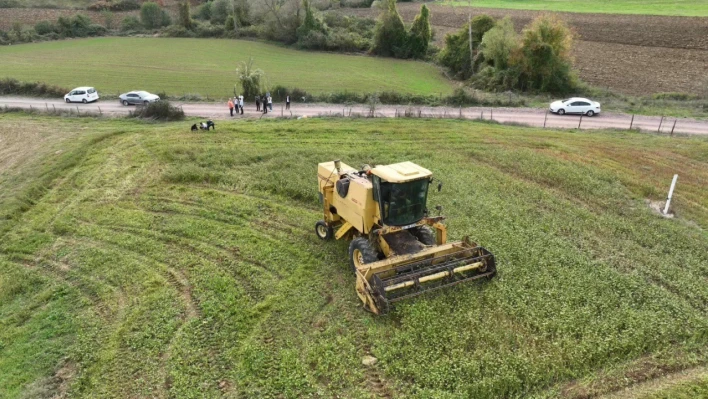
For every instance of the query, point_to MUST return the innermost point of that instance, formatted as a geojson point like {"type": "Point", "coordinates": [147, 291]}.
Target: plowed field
{"type": "Point", "coordinates": [632, 54]}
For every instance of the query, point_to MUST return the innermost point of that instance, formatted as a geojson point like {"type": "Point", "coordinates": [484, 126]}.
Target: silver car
{"type": "Point", "coordinates": [138, 98]}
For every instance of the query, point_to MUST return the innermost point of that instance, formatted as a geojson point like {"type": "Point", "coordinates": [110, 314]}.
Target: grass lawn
{"type": "Point", "coordinates": [208, 67]}
{"type": "Point", "coordinates": [143, 260]}
{"type": "Point", "coordinates": [689, 8]}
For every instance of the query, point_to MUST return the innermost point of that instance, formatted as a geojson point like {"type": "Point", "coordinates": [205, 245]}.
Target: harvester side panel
{"type": "Point", "coordinates": [357, 207]}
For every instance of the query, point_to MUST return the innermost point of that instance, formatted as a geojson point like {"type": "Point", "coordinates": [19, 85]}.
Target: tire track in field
{"type": "Point", "coordinates": [180, 283]}
{"type": "Point", "coordinates": [657, 385]}
{"type": "Point", "coordinates": [374, 381]}
{"type": "Point", "coordinates": [255, 294]}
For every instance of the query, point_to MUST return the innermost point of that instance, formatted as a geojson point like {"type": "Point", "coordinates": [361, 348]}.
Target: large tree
{"type": "Point", "coordinates": [390, 36]}
{"type": "Point", "coordinates": [420, 34]}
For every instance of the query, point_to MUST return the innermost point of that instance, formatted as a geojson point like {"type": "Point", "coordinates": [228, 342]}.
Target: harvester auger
{"type": "Point", "coordinates": [397, 250]}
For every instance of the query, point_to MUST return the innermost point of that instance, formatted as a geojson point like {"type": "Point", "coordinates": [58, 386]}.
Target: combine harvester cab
{"type": "Point", "coordinates": [397, 250]}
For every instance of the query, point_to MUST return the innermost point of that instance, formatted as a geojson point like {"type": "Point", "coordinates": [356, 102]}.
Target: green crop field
{"type": "Point", "coordinates": [142, 260]}
{"type": "Point", "coordinates": [688, 8]}
{"type": "Point", "coordinates": [208, 67]}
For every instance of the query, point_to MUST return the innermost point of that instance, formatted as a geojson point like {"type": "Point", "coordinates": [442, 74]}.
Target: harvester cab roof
{"type": "Point", "coordinates": [396, 250]}
{"type": "Point", "coordinates": [401, 172]}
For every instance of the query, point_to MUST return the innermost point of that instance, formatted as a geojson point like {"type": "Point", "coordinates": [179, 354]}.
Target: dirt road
{"type": "Point", "coordinates": [527, 116]}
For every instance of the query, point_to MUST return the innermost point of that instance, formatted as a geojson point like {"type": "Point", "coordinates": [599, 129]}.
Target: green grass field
{"type": "Point", "coordinates": [208, 67]}
{"type": "Point", "coordinates": [142, 260]}
{"type": "Point", "coordinates": [688, 8]}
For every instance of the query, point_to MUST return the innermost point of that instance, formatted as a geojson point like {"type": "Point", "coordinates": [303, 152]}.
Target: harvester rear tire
{"type": "Point", "coordinates": [323, 231]}
{"type": "Point", "coordinates": [424, 234]}
{"type": "Point", "coordinates": [361, 252]}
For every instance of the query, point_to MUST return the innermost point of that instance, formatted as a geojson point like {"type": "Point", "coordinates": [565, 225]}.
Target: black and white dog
{"type": "Point", "coordinates": [204, 126]}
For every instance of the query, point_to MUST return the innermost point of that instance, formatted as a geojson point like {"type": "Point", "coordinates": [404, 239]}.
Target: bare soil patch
{"type": "Point", "coordinates": [30, 16]}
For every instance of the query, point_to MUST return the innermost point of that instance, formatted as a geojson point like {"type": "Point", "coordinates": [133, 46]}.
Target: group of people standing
{"type": "Point", "coordinates": [266, 100]}
{"type": "Point", "coordinates": [236, 103]}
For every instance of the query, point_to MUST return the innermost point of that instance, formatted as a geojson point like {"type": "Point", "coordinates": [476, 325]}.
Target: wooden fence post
{"type": "Point", "coordinates": [631, 123]}
{"type": "Point", "coordinates": [581, 121]}
{"type": "Point", "coordinates": [545, 119]}
{"type": "Point", "coordinates": [660, 122]}
{"type": "Point", "coordinates": [673, 127]}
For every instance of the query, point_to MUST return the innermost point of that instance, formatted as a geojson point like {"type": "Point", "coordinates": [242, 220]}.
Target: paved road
{"type": "Point", "coordinates": [528, 116]}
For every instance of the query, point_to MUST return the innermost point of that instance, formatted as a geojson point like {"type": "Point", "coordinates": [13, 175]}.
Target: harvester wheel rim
{"type": "Point", "coordinates": [358, 258]}
{"type": "Point", "coordinates": [323, 231]}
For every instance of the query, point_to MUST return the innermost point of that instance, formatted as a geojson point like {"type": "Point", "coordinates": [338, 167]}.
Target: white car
{"type": "Point", "coordinates": [138, 98]}
{"type": "Point", "coordinates": [576, 105]}
{"type": "Point", "coordinates": [82, 95]}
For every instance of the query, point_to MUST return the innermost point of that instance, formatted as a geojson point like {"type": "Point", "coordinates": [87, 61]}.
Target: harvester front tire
{"type": "Point", "coordinates": [424, 234]}
{"type": "Point", "coordinates": [323, 231]}
{"type": "Point", "coordinates": [361, 252]}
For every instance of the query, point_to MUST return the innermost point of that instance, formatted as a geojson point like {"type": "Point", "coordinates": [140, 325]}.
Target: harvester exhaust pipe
{"type": "Point", "coordinates": [338, 165]}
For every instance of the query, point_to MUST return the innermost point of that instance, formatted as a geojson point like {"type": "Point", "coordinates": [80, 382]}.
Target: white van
{"type": "Point", "coordinates": [82, 95]}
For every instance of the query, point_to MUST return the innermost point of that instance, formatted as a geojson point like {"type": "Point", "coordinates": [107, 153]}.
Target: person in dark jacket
{"type": "Point", "coordinates": [258, 103]}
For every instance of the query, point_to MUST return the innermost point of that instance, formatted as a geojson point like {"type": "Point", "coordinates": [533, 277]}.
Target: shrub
{"type": "Point", "coordinates": [311, 25]}
{"type": "Point", "coordinates": [131, 23]}
{"type": "Point", "coordinates": [177, 31]}
{"type": "Point", "coordinates": [345, 40]}
{"type": "Point", "coordinates": [96, 30]}
{"type": "Point", "coordinates": [10, 4]}
{"type": "Point", "coordinates": [152, 16]}
{"type": "Point", "coordinates": [356, 3]}
{"type": "Point", "coordinates": [15, 87]}
{"type": "Point", "coordinates": [78, 26]}
{"type": "Point", "coordinates": [499, 43]}
{"type": "Point", "coordinates": [242, 12]}
{"type": "Point", "coordinates": [230, 24]}
{"type": "Point", "coordinates": [185, 15]}
{"type": "Point", "coordinates": [313, 40]}
{"type": "Point", "coordinates": [106, 5]}
{"type": "Point", "coordinates": [220, 10]}
{"type": "Point", "coordinates": [125, 5]}
{"type": "Point", "coordinates": [456, 55]}
{"type": "Point", "coordinates": [108, 19]}
{"type": "Point", "coordinates": [390, 36]}
{"type": "Point", "coordinates": [545, 62]}
{"type": "Point", "coordinates": [45, 27]}
{"type": "Point", "coordinates": [99, 6]}
{"type": "Point", "coordinates": [250, 78]}
{"type": "Point", "coordinates": [160, 110]}
{"type": "Point", "coordinates": [204, 11]}
{"type": "Point", "coordinates": [420, 34]}
{"type": "Point", "coordinates": [208, 30]}
{"type": "Point", "coordinates": [669, 96]}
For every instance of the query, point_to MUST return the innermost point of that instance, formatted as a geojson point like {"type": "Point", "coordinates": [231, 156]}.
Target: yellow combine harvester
{"type": "Point", "coordinates": [397, 250]}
